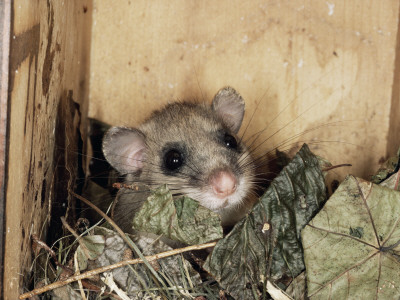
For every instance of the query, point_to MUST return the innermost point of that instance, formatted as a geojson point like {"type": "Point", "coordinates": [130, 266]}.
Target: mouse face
{"type": "Point", "coordinates": [194, 148]}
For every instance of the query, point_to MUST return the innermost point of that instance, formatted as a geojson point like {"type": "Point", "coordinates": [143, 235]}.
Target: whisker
{"type": "Point", "coordinates": [257, 134]}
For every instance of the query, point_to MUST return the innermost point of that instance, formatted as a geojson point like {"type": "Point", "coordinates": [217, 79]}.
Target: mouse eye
{"type": "Point", "coordinates": [230, 141]}
{"type": "Point", "coordinates": [173, 159]}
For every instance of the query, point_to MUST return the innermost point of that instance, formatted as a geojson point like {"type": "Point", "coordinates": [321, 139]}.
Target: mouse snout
{"type": "Point", "coordinates": [223, 183]}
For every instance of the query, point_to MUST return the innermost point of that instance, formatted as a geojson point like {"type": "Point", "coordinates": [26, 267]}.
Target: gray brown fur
{"type": "Point", "coordinates": [196, 129]}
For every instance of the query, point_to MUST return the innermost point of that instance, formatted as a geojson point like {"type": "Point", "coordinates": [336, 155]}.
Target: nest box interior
{"type": "Point", "coordinates": [326, 73]}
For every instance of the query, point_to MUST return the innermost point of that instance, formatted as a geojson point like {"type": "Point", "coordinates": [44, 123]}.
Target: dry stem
{"type": "Point", "coordinates": [103, 215]}
{"type": "Point", "coordinates": [93, 272]}
{"type": "Point", "coordinates": [337, 166]}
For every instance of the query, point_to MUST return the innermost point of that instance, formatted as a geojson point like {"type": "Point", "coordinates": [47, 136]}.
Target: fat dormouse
{"type": "Point", "coordinates": [195, 149]}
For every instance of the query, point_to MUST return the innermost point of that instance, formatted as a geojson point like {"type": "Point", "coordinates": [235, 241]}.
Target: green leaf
{"type": "Point", "coordinates": [343, 265]}
{"type": "Point", "coordinates": [357, 232]}
{"type": "Point", "coordinates": [180, 219]}
{"type": "Point", "coordinates": [393, 182]}
{"type": "Point", "coordinates": [137, 280]}
{"type": "Point", "coordinates": [266, 243]}
{"type": "Point", "coordinates": [298, 287]}
{"type": "Point", "coordinates": [387, 169]}
{"type": "Point", "coordinates": [388, 174]}
{"type": "Point", "coordinates": [90, 247]}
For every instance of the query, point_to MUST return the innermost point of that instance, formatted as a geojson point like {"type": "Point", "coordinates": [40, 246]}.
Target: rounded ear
{"type": "Point", "coordinates": [229, 105]}
{"type": "Point", "coordinates": [124, 148]}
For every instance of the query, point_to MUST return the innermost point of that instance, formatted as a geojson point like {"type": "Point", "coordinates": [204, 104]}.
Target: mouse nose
{"type": "Point", "coordinates": [223, 183]}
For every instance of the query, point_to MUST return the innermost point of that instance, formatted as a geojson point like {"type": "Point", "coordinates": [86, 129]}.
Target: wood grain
{"type": "Point", "coordinates": [47, 96]}
{"type": "Point", "coordinates": [309, 63]}
{"type": "Point", "coordinates": [5, 16]}
{"type": "Point", "coordinates": [393, 139]}
{"type": "Point", "coordinates": [329, 68]}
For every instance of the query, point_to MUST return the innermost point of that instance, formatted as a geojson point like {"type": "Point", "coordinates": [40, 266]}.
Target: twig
{"type": "Point", "coordinates": [122, 234]}
{"type": "Point", "coordinates": [77, 272]}
{"type": "Point", "coordinates": [103, 215]}
{"type": "Point", "coordinates": [93, 272]}
{"type": "Point", "coordinates": [39, 243]}
{"type": "Point", "coordinates": [337, 166]}
{"type": "Point", "coordinates": [119, 185]}
{"type": "Point", "coordinates": [69, 228]}
{"type": "Point", "coordinates": [109, 281]}
{"type": "Point", "coordinates": [90, 286]}
{"type": "Point", "coordinates": [77, 236]}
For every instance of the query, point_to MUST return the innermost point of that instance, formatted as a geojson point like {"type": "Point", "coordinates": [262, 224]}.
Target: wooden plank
{"type": "Point", "coordinates": [5, 17]}
{"type": "Point", "coordinates": [47, 91]}
{"type": "Point", "coordinates": [310, 63]}
{"type": "Point", "coordinates": [394, 127]}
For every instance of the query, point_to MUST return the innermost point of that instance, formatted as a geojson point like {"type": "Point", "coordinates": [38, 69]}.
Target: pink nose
{"type": "Point", "coordinates": [223, 183]}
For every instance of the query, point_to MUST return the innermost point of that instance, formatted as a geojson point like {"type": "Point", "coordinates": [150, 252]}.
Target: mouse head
{"type": "Point", "coordinates": [193, 148]}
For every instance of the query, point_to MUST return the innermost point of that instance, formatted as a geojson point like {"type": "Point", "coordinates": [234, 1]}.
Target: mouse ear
{"type": "Point", "coordinates": [229, 105]}
{"type": "Point", "coordinates": [124, 148]}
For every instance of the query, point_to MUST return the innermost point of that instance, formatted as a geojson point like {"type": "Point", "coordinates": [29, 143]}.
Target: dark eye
{"type": "Point", "coordinates": [230, 141]}
{"type": "Point", "coordinates": [173, 159]}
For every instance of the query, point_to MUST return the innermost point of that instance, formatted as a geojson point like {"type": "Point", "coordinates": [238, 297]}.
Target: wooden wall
{"type": "Point", "coordinates": [309, 63]}
{"type": "Point", "coordinates": [5, 16]}
{"type": "Point", "coordinates": [328, 67]}
{"type": "Point", "coordinates": [48, 84]}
